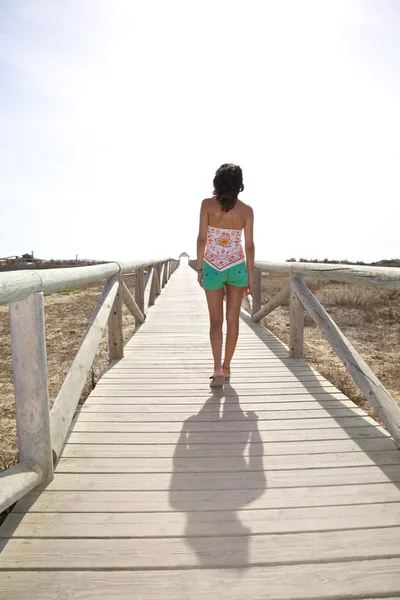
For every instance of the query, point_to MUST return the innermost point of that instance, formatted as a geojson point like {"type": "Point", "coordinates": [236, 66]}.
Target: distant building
{"type": "Point", "coordinates": [184, 258]}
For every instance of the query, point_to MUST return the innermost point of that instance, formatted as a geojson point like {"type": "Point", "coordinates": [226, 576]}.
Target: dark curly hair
{"type": "Point", "coordinates": [228, 183]}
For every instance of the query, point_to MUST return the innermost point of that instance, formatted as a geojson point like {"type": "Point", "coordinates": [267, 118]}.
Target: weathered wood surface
{"type": "Point", "coordinates": [280, 487]}
{"type": "Point", "coordinates": [296, 328]}
{"type": "Point", "coordinates": [16, 285]}
{"type": "Point", "coordinates": [32, 410]}
{"type": "Point", "coordinates": [257, 291]}
{"type": "Point", "coordinates": [382, 276]}
{"type": "Point", "coordinates": [277, 300]}
{"type": "Point", "coordinates": [149, 296]}
{"type": "Point", "coordinates": [17, 481]}
{"type": "Point", "coordinates": [386, 408]}
{"type": "Point", "coordinates": [71, 389]}
{"type": "Point", "coordinates": [115, 326]}
{"type": "Point", "coordinates": [131, 305]}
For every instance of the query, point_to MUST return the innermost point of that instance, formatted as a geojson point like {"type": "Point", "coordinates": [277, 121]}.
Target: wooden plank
{"type": "Point", "coordinates": [280, 389]}
{"type": "Point", "coordinates": [68, 397]}
{"type": "Point", "coordinates": [90, 501]}
{"type": "Point", "coordinates": [179, 377]}
{"type": "Point", "coordinates": [29, 365]}
{"type": "Point", "coordinates": [187, 463]}
{"type": "Point", "coordinates": [197, 401]}
{"type": "Point", "coordinates": [279, 435]}
{"type": "Point", "coordinates": [362, 579]}
{"type": "Point", "coordinates": [386, 408]}
{"type": "Point", "coordinates": [210, 523]}
{"type": "Point", "coordinates": [143, 409]}
{"type": "Point", "coordinates": [224, 482]}
{"type": "Point", "coordinates": [229, 551]}
{"type": "Point", "coordinates": [309, 448]}
{"type": "Point", "coordinates": [124, 416]}
{"type": "Point", "coordinates": [208, 428]}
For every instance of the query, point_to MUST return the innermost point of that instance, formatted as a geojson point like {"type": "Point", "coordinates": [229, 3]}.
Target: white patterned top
{"type": "Point", "coordinates": [224, 248]}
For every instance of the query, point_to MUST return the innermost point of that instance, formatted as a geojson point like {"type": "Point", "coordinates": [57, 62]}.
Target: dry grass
{"type": "Point", "coordinates": [67, 317]}
{"type": "Point", "coordinates": [368, 316]}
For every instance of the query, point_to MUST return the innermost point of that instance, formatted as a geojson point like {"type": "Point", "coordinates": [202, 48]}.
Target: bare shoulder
{"type": "Point", "coordinates": [207, 203]}
{"type": "Point", "coordinates": [245, 209]}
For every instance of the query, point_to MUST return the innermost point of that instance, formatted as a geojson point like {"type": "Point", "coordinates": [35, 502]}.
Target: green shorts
{"type": "Point", "coordinates": [216, 280]}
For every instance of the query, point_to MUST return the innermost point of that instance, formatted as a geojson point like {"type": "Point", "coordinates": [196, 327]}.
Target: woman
{"type": "Point", "coordinates": [221, 262]}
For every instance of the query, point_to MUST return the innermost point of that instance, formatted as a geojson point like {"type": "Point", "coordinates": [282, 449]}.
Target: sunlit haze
{"type": "Point", "coordinates": [115, 115]}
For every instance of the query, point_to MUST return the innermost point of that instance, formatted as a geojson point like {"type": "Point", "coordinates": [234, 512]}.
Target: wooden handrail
{"type": "Point", "coordinates": [385, 406]}
{"type": "Point", "coordinates": [41, 433]}
{"type": "Point", "coordinates": [382, 276]}
{"type": "Point", "coordinates": [17, 481]}
{"type": "Point", "coordinates": [16, 285]}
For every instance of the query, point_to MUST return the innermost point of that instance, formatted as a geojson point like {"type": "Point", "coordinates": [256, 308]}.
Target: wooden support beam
{"type": "Point", "coordinates": [131, 304]}
{"type": "Point", "coordinates": [68, 397]}
{"type": "Point", "coordinates": [386, 408]}
{"type": "Point", "coordinates": [277, 300]}
{"type": "Point", "coordinates": [296, 333]}
{"type": "Point", "coordinates": [139, 289]}
{"type": "Point", "coordinates": [256, 295]}
{"type": "Point", "coordinates": [165, 272]}
{"type": "Point", "coordinates": [149, 292]}
{"type": "Point", "coordinates": [115, 328]}
{"type": "Point", "coordinates": [162, 275]}
{"type": "Point", "coordinates": [157, 280]}
{"type": "Point", "coordinates": [30, 383]}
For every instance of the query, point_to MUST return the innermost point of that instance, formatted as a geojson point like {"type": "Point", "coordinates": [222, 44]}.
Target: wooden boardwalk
{"type": "Point", "coordinates": [277, 488]}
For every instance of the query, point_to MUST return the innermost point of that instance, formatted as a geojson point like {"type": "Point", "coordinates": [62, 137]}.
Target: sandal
{"type": "Point", "coordinates": [228, 378]}
{"type": "Point", "coordinates": [217, 381]}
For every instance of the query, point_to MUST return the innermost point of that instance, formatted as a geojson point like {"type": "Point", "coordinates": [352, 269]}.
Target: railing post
{"type": "Point", "coordinates": [28, 346]}
{"type": "Point", "coordinates": [165, 273]}
{"type": "Point", "coordinates": [157, 275]}
{"type": "Point", "coordinates": [296, 334]}
{"type": "Point", "coordinates": [115, 328]}
{"type": "Point", "coordinates": [162, 275]}
{"type": "Point", "coordinates": [256, 294]}
{"type": "Point", "coordinates": [152, 295]}
{"type": "Point", "coordinates": [139, 288]}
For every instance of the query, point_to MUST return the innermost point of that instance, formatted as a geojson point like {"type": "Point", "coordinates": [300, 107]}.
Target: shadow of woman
{"type": "Point", "coordinates": [217, 470]}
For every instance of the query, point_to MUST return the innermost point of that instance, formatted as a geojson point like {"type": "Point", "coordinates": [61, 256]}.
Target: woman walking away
{"type": "Point", "coordinates": [221, 262]}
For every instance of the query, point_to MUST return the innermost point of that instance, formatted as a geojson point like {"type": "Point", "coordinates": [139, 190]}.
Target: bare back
{"type": "Point", "coordinates": [233, 219]}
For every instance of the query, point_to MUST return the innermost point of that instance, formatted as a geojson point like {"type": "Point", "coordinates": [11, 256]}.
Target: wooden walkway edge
{"type": "Point", "coordinates": [279, 487]}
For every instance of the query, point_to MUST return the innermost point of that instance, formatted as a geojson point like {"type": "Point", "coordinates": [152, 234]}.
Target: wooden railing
{"type": "Point", "coordinates": [41, 433]}
{"type": "Point", "coordinates": [301, 299]}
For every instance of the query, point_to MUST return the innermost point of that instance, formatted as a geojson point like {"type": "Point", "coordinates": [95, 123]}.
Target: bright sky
{"type": "Point", "coordinates": [114, 116]}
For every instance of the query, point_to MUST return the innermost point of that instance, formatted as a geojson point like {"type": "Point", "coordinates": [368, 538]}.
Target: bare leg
{"type": "Point", "coordinates": [215, 300]}
{"type": "Point", "coordinates": [234, 297]}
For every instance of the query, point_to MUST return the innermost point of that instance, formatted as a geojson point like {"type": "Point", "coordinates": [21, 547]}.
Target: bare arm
{"type": "Point", "coordinates": [249, 245]}
{"type": "Point", "coordinates": [202, 237]}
